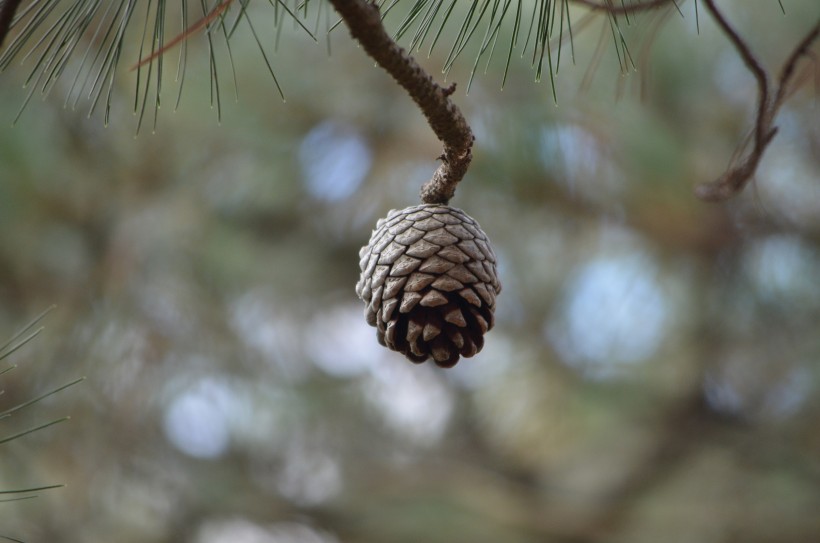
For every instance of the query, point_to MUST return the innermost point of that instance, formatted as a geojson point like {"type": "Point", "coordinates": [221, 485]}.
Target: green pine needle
{"type": "Point", "coordinates": [32, 489]}
{"type": "Point", "coordinates": [32, 430]}
{"type": "Point", "coordinates": [483, 22]}
{"type": "Point", "coordinates": [17, 499]}
{"type": "Point", "coordinates": [93, 43]}
{"type": "Point", "coordinates": [25, 404]}
{"type": "Point", "coordinates": [6, 349]}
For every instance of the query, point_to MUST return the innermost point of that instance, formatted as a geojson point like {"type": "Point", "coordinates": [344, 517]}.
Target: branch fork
{"type": "Point", "coordinates": [769, 103]}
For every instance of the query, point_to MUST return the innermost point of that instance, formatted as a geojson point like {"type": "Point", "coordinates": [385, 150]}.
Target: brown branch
{"type": "Point", "coordinates": [737, 176]}
{"type": "Point", "coordinates": [7, 11]}
{"type": "Point", "coordinates": [752, 64]}
{"type": "Point", "coordinates": [365, 24]}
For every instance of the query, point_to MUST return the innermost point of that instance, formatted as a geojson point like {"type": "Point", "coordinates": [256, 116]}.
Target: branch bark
{"type": "Point", "coordinates": [363, 19]}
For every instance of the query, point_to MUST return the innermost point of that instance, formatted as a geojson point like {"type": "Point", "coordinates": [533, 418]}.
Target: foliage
{"type": "Point", "coordinates": [53, 34]}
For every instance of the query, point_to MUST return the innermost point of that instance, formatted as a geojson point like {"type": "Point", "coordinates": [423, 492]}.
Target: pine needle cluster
{"type": "Point", "coordinates": [91, 43]}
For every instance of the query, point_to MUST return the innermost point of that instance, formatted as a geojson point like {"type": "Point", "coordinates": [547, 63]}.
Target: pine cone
{"type": "Point", "coordinates": [429, 281]}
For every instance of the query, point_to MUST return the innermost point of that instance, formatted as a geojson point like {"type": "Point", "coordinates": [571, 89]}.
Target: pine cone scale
{"type": "Point", "coordinates": [470, 295]}
{"type": "Point", "coordinates": [400, 227]}
{"type": "Point", "coordinates": [459, 231]}
{"type": "Point", "coordinates": [409, 301]}
{"type": "Point", "coordinates": [471, 249]}
{"type": "Point", "coordinates": [392, 286]}
{"type": "Point", "coordinates": [431, 330]}
{"type": "Point", "coordinates": [485, 248]}
{"type": "Point", "coordinates": [423, 249]}
{"type": "Point", "coordinates": [433, 298]}
{"type": "Point", "coordinates": [453, 254]}
{"type": "Point", "coordinates": [455, 316]}
{"type": "Point", "coordinates": [479, 271]}
{"type": "Point", "coordinates": [405, 265]}
{"type": "Point", "coordinates": [435, 264]}
{"type": "Point", "coordinates": [410, 236]}
{"type": "Point", "coordinates": [460, 273]}
{"type": "Point", "coordinates": [441, 237]}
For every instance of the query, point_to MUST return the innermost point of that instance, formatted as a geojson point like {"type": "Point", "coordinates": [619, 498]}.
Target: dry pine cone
{"type": "Point", "coordinates": [429, 281]}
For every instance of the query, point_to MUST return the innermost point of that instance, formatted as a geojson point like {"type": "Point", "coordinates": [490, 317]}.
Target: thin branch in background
{"type": "Point", "coordinates": [752, 64]}
{"type": "Point", "coordinates": [656, 24]}
{"type": "Point", "coordinates": [738, 176]}
{"type": "Point", "coordinates": [790, 66]}
{"type": "Point", "coordinates": [624, 9]}
{"type": "Point", "coordinates": [7, 11]}
{"type": "Point", "coordinates": [595, 60]}
{"type": "Point", "coordinates": [363, 19]}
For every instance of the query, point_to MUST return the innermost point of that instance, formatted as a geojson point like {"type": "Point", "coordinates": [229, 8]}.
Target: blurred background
{"type": "Point", "coordinates": [654, 372]}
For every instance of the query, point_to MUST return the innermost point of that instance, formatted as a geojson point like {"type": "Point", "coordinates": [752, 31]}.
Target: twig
{"type": "Point", "coordinates": [364, 21]}
{"type": "Point", "coordinates": [7, 11]}
{"type": "Point", "coordinates": [736, 177]}
{"type": "Point", "coordinates": [753, 66]}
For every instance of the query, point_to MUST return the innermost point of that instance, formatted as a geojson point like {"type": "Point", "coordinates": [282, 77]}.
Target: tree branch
{"type": "Point", "coordinates": [736, 177]}
{"type": "Point", "coordinates": [364, 21]}
{"type": "Point", "coordinates": [7, 11]}
{"type": "Point", "coordinates": [752, 64]}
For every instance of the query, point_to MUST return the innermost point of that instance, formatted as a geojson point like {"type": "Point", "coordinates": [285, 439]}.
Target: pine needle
{"type": "Point", "coordinates": [4, 352]}
{"type": "Point", "coordinates": [8, 412]}
{"type": "Point", "coordinates": [32, 489]}
{"type": "Point", "coordinates": [513, 42]}
{"type": "Point", "coordinates": [16, 499]}
{"type": "Point", "coordinates": [14, 348]}
{"type": "Point", "coordinates": [32, 430]}
{"type": "Point", "coordinates": [85, 40]}
{"type": "Point", "coordinates": [264, 56]}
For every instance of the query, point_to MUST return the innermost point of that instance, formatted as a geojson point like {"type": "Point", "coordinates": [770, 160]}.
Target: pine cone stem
{"type": "Point", "coordinates": [364, 21]}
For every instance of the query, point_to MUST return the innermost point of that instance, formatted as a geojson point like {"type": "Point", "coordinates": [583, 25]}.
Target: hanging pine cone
{"type": "Point", "coordinates": [429, 281]}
